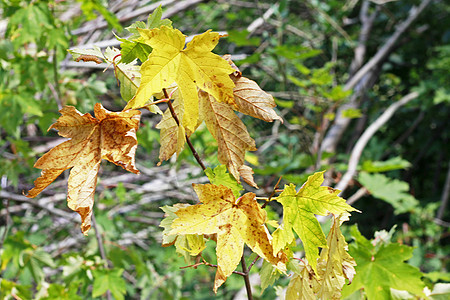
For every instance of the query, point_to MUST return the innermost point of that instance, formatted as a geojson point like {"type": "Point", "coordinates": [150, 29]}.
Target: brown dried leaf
{"type": "Point", "coordinates": [253, 101]}
{"type": "Point", "coordinates": [228, 130]}
{"type": "Point", "coordinates": [111, 136]}
{"type": "Point", "coordinates": [237, 72]}
{"type": "Point", "coordinates": [249, 98]}
{"type": "Point", "coordinates": [247, 174]}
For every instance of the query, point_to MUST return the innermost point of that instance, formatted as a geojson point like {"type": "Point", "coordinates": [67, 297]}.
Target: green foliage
{"type": "Point", "coordinates": [89, 6]}
{"type": "Point", "coordinates": [58, 291]}
{"type": "Point", "coordinates": [380, 267]}
{"type": "Point", "coordinates": [269, 274]}
{"type": "Point", "coordinates": [109, 280]}
{"type": "Point", "coordinates": [394, 163]}
{"type": "Point", "coordinates": [393, 191]}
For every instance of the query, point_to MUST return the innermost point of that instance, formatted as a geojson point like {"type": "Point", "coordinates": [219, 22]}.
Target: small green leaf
{"type": "Point", "coordinates": [284, 103]}
{"type": "Point", "coordinates": [132, 50]}
{"type": "Point", "coordinates": [268, 274]}
{"type": "Point", "coordinates": [302, 69]}
{"type": "Point", "coordinates": [337, 93]}
{"type": "Point", "coordinates": [240, 38]}
{"type": "Point", "coordinates": [155, 19]}
{"type": "Point", "coordinates": [89, 6]}
{"type": "Point", "coordinates": [299, 210]}
{"type": "Point", "coordinates": [220, 176]}
{"type": "Point", "coordinates": [352, 113]}
{"type": "Point", "coordinates": [111, 280]}
{"type": "Point", "coordinates": [132, 47]}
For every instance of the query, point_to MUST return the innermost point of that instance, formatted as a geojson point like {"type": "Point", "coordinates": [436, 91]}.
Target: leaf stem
{"type": "Point", "coordinates": [174, 115]}
{"type": "Point", "coordinates": [275, 189]}
{"type": "Point", "coordinates": [205, 263]}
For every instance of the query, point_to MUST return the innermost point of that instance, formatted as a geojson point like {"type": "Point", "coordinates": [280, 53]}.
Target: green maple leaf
{"type": "Point", "coordinates": [220, 176]}
{"type": "Point", "coordinates": [380, 268]}
{"type": "Point", "coordinates": [133, 47]}
{"type": "Point", "coordinates": [299, 210]}
{"type": "Point", "coordinates": [111, 280]}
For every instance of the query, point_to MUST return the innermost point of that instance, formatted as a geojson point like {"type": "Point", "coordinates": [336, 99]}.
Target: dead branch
{"type": "Point", "coordinates": [367, 135]}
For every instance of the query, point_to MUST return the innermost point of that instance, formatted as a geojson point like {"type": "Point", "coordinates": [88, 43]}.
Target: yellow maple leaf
{"type": "Point", "coordinates": [235, 221]}
{"type": "Point", "coordinates": [231, 135]}
{"type": "Point", "coordinates": [301, 286]}
{"type": "Point", "coordinates": [190, 67]}
{"type": "Point", "coordinates": [335, 264]}
{"type": "Point", "coordinates": [111, 136]}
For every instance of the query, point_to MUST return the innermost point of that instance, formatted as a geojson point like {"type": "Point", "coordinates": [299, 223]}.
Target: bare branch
{"type": "Point", "coordinates": [367, 135]}
{"type": "Point", "coordinates": [388, 47]}
{"type": "Point", "coordinates": [356, 196]}
{"type": "Point", "coordinates": [366, 76]}
{"type": "Point", "coordinates": [55, 211]}
{"type": "Point", "coordinates": [445, 194]}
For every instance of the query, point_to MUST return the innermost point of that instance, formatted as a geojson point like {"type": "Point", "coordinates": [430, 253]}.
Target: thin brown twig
{"type": "Point", "coordinates": [248, 286]}
{"type": "Point", "coordinates": [100, 242]}
{"type": "Point", "coordinates": [205, 263]}
{"type": "Point", "coordinates": [251, 265]}
{"type": "Point", "coordinates": [275, 189]}
{"type": "Point", "coordinates": [175, 117]}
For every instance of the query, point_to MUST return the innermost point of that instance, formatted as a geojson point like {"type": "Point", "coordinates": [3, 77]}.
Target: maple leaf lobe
{"type": "Point", "coordinates": [111, 135]}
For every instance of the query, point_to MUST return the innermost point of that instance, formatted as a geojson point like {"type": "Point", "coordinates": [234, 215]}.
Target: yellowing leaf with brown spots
{"type": "Point", "coordinates": [235, 221]}
{"type": "Point", "coordinates": [110, 135]}
{"type": "Point", "coordinates": [251, 100]}
{"type": "Point", "coordinates": [231, 135]}
{"type": "Point", "coordinates": [190, 67]}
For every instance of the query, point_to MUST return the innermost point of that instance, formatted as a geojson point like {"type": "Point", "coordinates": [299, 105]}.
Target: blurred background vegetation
{"type": "Point", "coordinates": [307, 54]}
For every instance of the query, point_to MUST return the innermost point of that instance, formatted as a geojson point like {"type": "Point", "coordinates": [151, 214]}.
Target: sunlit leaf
{"type": "Point", "coordinates": [235, 221]}
{"type": "Point", "coordinates": [190, 67]}
{"type": "Point", "coordinates": [110, 135]}
{"type": "Point", "coordinates": [299, 210]}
